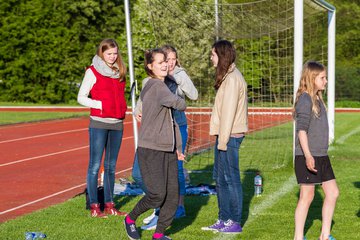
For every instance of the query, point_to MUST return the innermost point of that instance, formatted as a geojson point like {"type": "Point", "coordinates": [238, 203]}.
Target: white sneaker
{"type": "Point", "coordinates": [148, 219]}
{"type": "Point", "coordinates": [151, 225]}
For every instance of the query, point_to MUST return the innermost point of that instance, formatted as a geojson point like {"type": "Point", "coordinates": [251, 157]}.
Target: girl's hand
{"type": "Point", "coordinates": [310, 163]}
{"type": "Point", "coordinates": [180, 156]}
{"type": "Point", "coordinates": [138, 117]}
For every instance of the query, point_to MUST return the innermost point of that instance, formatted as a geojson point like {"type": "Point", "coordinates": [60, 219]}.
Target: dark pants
{"type": "Point", "coordinates": [159, 172]}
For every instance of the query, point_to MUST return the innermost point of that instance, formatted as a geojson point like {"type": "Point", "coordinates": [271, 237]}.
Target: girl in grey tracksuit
{"type": "Point", "coordinates": [159, 139]}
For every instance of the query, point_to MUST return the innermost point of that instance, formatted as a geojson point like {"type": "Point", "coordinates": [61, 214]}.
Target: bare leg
{"type": "Point", "coordinates": [307, 193]}
{"type": "Point", "coordinates": [331, 191]}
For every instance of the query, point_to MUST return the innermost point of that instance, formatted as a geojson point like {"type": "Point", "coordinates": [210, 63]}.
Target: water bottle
{"type": "Point", "coordinates": [257, 185]}
{"type": "Point", "coordinates": [34, 235]}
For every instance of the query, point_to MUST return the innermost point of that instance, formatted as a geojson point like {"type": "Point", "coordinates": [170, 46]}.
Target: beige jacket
{"type": "Point", "coordinates": [230, 112]}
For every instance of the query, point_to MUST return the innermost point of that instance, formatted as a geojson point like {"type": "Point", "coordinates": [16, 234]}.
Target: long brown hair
{"type": "Point", "coordinates": [226, 54]}
{"type": "Point", "coordinates": [149, 59]}
{"type": "Point", "coordinates": [111, 43]}
{"type": "Point", "coordinates": [310, 71]}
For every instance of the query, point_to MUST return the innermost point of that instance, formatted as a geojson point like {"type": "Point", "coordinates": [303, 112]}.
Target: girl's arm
{"type": "Point", "coordinates": [84, 91]}
{"type": "Point", "coordinates": [168, 99]}
{"type": "Point", "coordinates": [310, 162]}
{"type": "Point", "coordinates": [185, 85]}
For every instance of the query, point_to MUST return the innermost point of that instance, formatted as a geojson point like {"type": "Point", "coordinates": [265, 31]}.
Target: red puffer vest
{"type": "Point", "coordinates": [111, 92]}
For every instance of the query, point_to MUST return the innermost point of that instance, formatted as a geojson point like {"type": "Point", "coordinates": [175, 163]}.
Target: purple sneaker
{"type": "Point", "coordinates": [231, 227]}
{"type": "Point", "coordinates": [215, 227]}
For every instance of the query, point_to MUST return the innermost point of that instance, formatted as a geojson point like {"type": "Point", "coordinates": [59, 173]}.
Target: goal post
{"type": "Point", "coordinates": [298, 56]}
{"type": "Point", "coordinates": [272, 41]}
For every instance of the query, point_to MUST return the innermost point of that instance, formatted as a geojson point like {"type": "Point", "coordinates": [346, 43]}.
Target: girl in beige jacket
{"type": "Point", "coordinates": [229, 122]}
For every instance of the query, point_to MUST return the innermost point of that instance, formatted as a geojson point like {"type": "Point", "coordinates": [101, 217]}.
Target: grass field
{"type": "Point", "coordinates": [267, 217]}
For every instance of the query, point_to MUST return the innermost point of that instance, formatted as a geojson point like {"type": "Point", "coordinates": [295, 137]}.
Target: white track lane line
{"type": "Point", "coordinates": [52, 195]}
{"type": "Point", "coordinates": [43, 135]}
{"type": "Point", "coordinates": [50, 154]}
{"type": "Point", "coordinates": [48, 134]}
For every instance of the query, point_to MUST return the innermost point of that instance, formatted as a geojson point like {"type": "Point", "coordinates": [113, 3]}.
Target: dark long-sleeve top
{"type": "Point", "coordinates": [317, 128]}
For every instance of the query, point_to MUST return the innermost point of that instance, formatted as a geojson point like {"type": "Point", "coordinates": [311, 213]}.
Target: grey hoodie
{"type": "Point", "coordinates": [158, 130]}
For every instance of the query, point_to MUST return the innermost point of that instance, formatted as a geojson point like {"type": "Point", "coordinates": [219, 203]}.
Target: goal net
{"type": "Point", "coordinates": [263, 34]}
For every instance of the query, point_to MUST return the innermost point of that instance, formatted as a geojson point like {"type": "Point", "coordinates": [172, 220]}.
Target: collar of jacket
{"type": "Point", "coordinates": [231, 69]}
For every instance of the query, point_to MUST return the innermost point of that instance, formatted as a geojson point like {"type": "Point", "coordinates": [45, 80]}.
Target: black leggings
{"type": "Point", "coordinates": [159, 171]}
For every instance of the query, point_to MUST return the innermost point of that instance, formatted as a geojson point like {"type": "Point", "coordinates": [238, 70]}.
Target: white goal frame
{"type": "Point", "coordinates": [298, 56]}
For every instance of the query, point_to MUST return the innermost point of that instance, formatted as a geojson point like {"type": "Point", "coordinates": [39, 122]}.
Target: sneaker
{"type": "Point", "coordinates": [180, 212]}
{"type": "Point", "coordinates": [231, 227]}
{"type": "Point", "coordinates": [163, 237]}
{"type": "Point", "coordinates": [329, 238]}
{"type": "Point", "coordinates": [131, 230]}
{"type": "Point", "coordinates": [151, 225]}
{"type": "Point", "coordinates": [149, 218]}
{"type": "Point", "coordinates": [215, 227]}
{"type": "Point", "coordinates": [111, 210]}
{"type": "Point", "coordinates": [96, 212]}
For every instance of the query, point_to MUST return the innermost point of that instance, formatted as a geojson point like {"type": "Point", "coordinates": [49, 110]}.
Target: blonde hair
{"type": "Point", "coordinates": [168, 49]}
{"type": "Point", "coordinates": [311, 70]}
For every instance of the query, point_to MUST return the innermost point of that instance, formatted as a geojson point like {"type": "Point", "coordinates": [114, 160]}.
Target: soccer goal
{"type": "Point", "coordinates": [272, 39]}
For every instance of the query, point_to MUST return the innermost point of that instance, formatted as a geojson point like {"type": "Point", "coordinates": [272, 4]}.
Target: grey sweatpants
{"type": "Point", "coordinates": [159, 171]}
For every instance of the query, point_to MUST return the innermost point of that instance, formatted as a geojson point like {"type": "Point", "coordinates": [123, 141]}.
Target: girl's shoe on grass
{"type": "Point", "coordinates": [231, 227]}
{"type": "Point", "coordinates": [111, 210]}
{"type": "Point", "coordinates": [215, 227]}
{"type": "Point", "coordinates": [96, 212]}
{"type": "Point", "coordinates": [329, 238]}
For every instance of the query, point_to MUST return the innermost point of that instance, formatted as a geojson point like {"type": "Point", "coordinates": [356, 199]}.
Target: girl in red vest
{"type": "Point", "coordinates": [102, 90]}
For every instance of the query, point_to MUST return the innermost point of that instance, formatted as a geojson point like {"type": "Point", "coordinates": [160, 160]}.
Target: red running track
{"type": "Point", "coordinates": [45, 163]}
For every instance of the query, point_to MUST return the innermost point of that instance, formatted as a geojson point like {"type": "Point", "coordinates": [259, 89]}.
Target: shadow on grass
{"type": "Point", "coordinates": [193, 204]}
{"type": "Point", "coordinates": [357, 185]}
{"type": "Point", "coordinates": [248, 191]}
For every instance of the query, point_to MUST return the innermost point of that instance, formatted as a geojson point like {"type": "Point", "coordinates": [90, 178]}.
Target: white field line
{"type": "Point", "coordinates": [343, 138]}
{"type": "Point", "coordinates": [52, 195]}
{"type": "Point", "coordinates": [268, 202]}
{"type": "Point", "coordinates": [50, 154]}
{"type": "Point", "coordinates": [48, 134]}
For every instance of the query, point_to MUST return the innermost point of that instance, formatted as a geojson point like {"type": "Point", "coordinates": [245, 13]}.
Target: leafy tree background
{"type": "Point", "coordinates": [45, 46]}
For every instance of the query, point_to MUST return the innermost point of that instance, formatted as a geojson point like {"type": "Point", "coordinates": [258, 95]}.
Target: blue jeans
{"type": "Point", "coordinates": [228, 184]}
{"type": "Point", "coordinates": [136, 174]}
{"type": "Point", "coordinates": [181, 177]}
{"type": "Point", "coordinates": [100, 140]}
{"type": "Point", "coordinates": [136, 169]}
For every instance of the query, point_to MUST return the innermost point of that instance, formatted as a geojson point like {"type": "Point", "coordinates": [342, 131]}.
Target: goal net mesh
{"type": "Point", "coordinates": [263, 35]}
